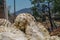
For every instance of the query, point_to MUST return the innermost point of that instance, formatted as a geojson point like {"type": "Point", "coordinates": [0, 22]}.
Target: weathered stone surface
{"type": "Point", "coordinates": [4, 22]}
{"type": "Point", "coordinates": [54, 38]}
{"type": "Point", "coordinates": [24, 28]}
{"type": "Point", "coordinates": [11, 36]}
{"type": "Point", "coordinates": [9, 33]}
{"type": "Point", "coordinates": [22, 20]}
{"type": "Point", "coordinates": [33, 30]}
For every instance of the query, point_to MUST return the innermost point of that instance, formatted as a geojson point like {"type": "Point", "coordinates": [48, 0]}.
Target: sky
{"type": "Point", "coordinates": [20, 4]}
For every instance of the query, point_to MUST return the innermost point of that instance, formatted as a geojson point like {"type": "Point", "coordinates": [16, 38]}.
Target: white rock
{"type": "Point", "coordinates": [9, 33]}
{"type": "Point", "coordinates": [26, 22]}
{"type": "Point", "coordinates": [4, 22]}
{"type": "Point", "coordinates": [11, 36]}
{"type": "Point", "coordinates": [32, 29]}
{"type": "Point", "coordinates": [55, 38]}
{"type": "Point", "coordinates": [22, 20]}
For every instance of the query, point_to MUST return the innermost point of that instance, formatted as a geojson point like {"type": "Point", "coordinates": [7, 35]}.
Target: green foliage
{"type": "Point", "coordinates": [35, 13]}
{"type": "Point", "coordinates": [56, 7]}
{"type": "Point", "coordinates": [9, 14]}
{"type": "Point", "coordinates": [36, 1]}
{"type": "Point", "coordinates": [49, 0]}
{"type": "Point", "coordinates": [43, 8]}
{"type": "Point", "coordinates": [1, 2]}
{"type": "Point", "coordinates": [34, 7]}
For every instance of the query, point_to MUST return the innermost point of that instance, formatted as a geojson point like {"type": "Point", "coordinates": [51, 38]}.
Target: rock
{"type": "Point", "coordinates": [54, 38]}
{"type": "Point", "coordinates": [29, 26]}
{"type": "Point", "coordinates": [24, 28]}
{"type": "Point", "coordinates": [4, 22]}
{"type": "Point", "coordinates": [11, 36]}
{"type": "Point", "coordinates": [22, 20]}
{"type": "Point", "coordinates": [37, 32]}
{"type": "Point", "coordinates": [10, 33]}
{"type": "Point", "coordinates": [43, 29]}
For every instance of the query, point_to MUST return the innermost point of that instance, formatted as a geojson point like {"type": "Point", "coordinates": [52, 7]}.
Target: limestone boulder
{"type": "Point", "coordinates": [4, 22]}
{"type": "Point", "coordinates": [22, 20]}
{"type": "Point", "coordinates": [54, 38]}
{"type": "Point", "coordinates": [10, 33]}
{"type": "Point", "coordinates": [24, 28]}
{"type": "Point", "coordinates": [30, 27]}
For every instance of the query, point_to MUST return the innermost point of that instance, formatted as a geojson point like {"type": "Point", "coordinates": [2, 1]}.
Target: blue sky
{"type": "Point", "coordinates": [20, 4]}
